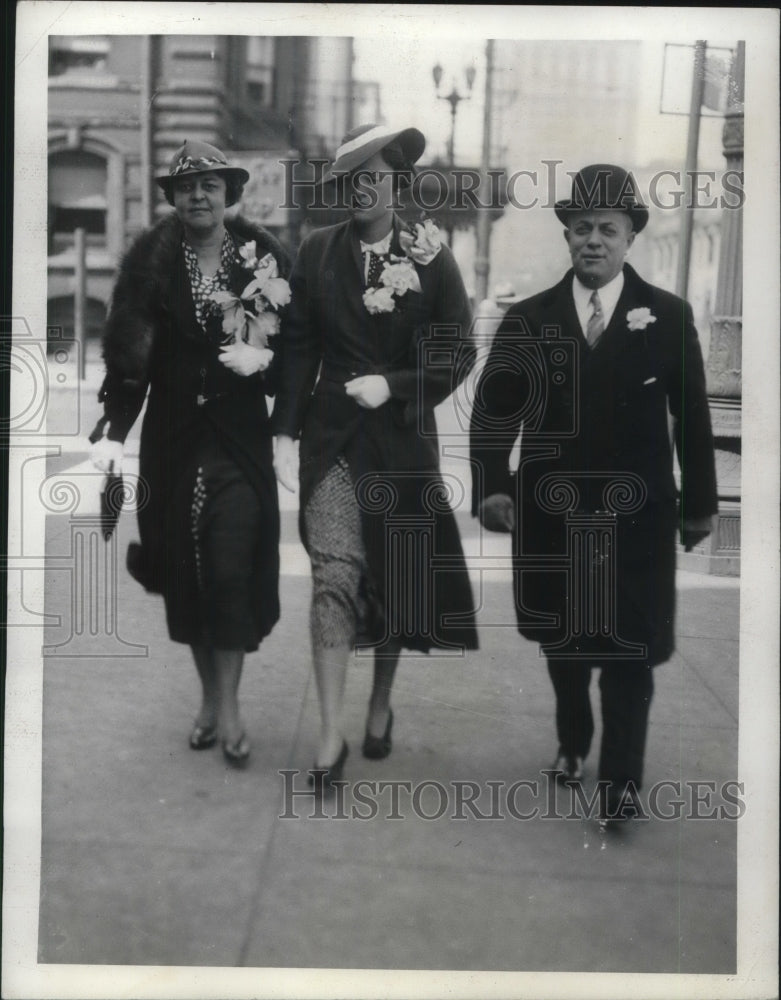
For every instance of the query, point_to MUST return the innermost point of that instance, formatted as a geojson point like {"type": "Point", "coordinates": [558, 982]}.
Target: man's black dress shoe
{"type": "Point", "coordinates": [568, 767]}
{"type": "Point", "coordinates": [617, 806]}
{"type": "Point", "coordinates": [323, 778]}
{"type": "Point", "coordinates": [378, 747]}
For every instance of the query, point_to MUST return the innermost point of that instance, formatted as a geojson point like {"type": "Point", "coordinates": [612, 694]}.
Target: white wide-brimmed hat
{"type": "Point", "coordinates": [364, 141]}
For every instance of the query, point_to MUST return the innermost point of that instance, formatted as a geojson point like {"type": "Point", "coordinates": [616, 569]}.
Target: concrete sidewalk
{"type": "Point", "coordinates": [156, 855]}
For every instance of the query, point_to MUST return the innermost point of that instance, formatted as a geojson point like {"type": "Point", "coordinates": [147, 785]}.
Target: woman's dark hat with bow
{"type": "Point", "coordinates": [364, 141]}
{"type": "Point", "coordinates": [196, 157]}
{"type": "Point", "coordinates": [603, 185]}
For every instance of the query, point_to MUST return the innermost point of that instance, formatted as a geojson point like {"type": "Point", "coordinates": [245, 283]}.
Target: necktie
{"type": "Point", "coordinates": [596, 321]}
{"type": "Point", "coordinates": [376, 263]}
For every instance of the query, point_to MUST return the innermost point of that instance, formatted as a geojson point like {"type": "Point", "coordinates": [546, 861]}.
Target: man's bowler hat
{"type": "Point", "coordinates": [603, 185]}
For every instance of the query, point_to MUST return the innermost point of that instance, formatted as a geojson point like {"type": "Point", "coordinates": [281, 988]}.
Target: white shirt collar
{"type": "Point", "coordinates": [609, 295]}
{"type": "Point", "coordinates": [380, 247]}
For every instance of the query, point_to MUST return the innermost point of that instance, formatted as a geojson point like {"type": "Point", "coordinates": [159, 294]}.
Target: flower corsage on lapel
{"type": "Point", "coordinates": [638, 319]}
{"type": "Point", "coordinates": [252, 317]}
{"type": "Point", "coordinates": [398, 274]}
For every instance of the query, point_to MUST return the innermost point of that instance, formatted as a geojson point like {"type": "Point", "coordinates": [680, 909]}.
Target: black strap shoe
{"type": "Point", "coordinates": [203, 737]}
{"type": "Point", "coordinates": [378, 747]}
{"type": "Point", "coordinates": [568, 768]}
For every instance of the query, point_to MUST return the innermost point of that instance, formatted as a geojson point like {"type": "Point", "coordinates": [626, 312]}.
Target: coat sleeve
{"type": "Point", "coordinates": [688, 401]}
{"type": "Point", "coordinates": [299, 351]}
{"type": "Point", "coordinates": [127, 345]}
{"type": "Point", "coordinates": [496, 412]}
{"type": "Point", "coordinates": [424, 386]}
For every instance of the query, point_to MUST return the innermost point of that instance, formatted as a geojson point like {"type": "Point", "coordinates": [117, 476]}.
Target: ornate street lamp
{"type": "Point", "coordinates": [454, 98]}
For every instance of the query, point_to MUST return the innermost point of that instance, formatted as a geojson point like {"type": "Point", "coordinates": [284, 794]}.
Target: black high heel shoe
{"type": "Point", "coordinates": [237, 754]}
{"type": "Point", "coordinates": [203, 737]}
{"type": "Point", "coordinates": [323, 778]}
{"type": "Point", "coordinates": [378, 747]}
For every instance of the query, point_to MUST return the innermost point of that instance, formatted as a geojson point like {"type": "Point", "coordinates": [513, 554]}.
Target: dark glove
{"type": "Point", "coordinates": [694, 530]}
{"type": "Point", "coordinates": [497, 513]}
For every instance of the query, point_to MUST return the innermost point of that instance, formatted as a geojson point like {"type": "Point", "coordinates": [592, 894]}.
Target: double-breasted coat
{"type": "Point", "coordinates": [154, 344]}
{"type": "Point", "coordinates": [595, 493]}
{"type": "Point", "coordinates": [423, 349]}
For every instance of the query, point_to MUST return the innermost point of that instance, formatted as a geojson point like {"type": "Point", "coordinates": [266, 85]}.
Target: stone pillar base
{"type": "Point", "coordinates": [719, 554]}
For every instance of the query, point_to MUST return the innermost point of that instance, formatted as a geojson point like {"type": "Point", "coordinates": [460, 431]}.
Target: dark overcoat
{"type": "Point", "coordinates": [596, 498]}
{"type": "Point", "coordinates": [423, 349]}
{"type": "Point", "coordinates": [153, 343]}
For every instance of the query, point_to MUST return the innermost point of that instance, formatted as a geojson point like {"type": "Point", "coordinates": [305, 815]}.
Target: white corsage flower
{"type": "Point", "coordinates": [261, 327]}
{"type": "Point", "coordinates": [233, 315]}
{"type": "Point", "coordinates": [249, 254]}
{"type": "Point", "coordinates": [250, 320]}
{"type": "Point", "coordinates": [424, 245]}
{"type": "Point", "coordinates": [267, 282]}
{"type": "Point", "coordinates": [400, 275]}
{"type": "Point", "coordinates": [638, 319]}
{"type": "Point", "coordinates": [378, 300]}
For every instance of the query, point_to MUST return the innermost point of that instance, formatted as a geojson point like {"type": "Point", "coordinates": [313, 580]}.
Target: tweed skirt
{"type": "Point", "coordinates": [336, 550]}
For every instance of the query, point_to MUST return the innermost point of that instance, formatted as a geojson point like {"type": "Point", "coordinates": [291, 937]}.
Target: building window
{"type": "Point", "coordinates": [260, 71]}
{"type": "Point", "coordinates": [77, 198]}
{"type": "Point", "coordinates": [77, 55]}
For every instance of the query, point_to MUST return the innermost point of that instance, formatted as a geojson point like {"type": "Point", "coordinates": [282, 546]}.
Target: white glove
{"type": "Point", "coordinates": [106, 455]}
{"type": "Point", "coordinates": [286, 462]}
{"type": "Point", "coordinates": [244, 359]}
{"type": "Point", "coordinates": [369, 391]}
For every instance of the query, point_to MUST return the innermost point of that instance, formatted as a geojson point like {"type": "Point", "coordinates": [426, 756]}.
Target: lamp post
{"type": "Point", "coordinates": [454, 98]}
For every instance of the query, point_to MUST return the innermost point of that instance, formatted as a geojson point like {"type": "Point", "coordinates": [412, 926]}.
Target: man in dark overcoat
{"type": "Point", "coordinates": [602, 374]}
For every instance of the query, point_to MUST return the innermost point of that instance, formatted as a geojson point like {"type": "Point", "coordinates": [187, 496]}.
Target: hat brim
{"type": "Point", "coordinates": [412, 141]}
{"type": "Point", "coordinates": [238, 174]}
{"type": "Point", "coordinates": [637, 213]}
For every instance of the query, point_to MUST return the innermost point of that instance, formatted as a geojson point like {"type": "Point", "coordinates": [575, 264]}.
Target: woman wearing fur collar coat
{"type": "Point", "coordinates": [190, 325]}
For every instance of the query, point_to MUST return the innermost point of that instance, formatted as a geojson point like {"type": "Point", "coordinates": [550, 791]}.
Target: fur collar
{"type": "Point", "coordinates": [142, 285]}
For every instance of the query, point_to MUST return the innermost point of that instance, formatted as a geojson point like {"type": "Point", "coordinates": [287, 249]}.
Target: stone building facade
{"type": "Point", "coordinates": [120, 105]}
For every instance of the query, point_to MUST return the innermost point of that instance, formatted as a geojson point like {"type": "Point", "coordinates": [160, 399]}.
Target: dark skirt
{"type": "Point", "coordinates": [218, 554]}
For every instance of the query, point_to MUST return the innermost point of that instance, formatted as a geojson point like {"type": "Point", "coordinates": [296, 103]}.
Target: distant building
{"type": "Point", "coordinates": [120, 105]}
{"type": "Point", "coordinates": [657, 252]}
{"type": "Point", "coordinates": [572, 102]}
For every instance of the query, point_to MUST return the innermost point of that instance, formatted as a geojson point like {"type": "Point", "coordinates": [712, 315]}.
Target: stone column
{"type": "Point", "coordinates": [723, 369]}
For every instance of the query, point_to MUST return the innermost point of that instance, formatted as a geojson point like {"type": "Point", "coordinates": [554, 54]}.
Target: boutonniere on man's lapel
{"type": "Point", "coordinates": [398, 274]}
{"type": "Point", "coordinates": [638, 319]}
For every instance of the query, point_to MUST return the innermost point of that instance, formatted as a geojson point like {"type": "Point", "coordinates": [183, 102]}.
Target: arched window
{"type": "Point", "coordinates": [77, 198]}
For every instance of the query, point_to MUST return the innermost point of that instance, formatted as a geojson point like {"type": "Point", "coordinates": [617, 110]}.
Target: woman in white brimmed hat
{"type": "Point", "coordinates": [210, 529]}
{"type": "Point", "coordinates": [367, 295]}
